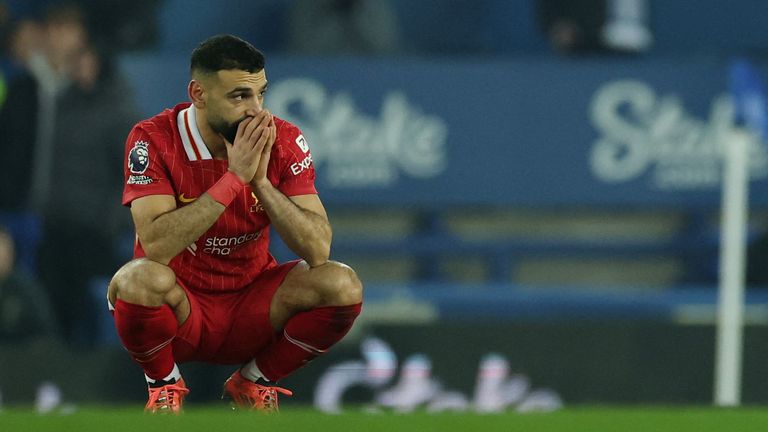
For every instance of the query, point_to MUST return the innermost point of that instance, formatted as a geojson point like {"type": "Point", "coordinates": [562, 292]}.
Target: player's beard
{"type": "Point", "coordinates": [227, 130]}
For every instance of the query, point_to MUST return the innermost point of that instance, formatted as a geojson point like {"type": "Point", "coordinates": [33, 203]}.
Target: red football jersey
{"type": "Point", "coordinates": [165, 155]}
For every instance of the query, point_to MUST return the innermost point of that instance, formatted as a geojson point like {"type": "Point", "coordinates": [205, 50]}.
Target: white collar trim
{"type": "Point", "coordinates": [194, 146]}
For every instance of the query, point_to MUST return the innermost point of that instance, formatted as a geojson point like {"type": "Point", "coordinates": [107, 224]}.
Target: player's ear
{"type": "Point", "coordinates": [196, 92]}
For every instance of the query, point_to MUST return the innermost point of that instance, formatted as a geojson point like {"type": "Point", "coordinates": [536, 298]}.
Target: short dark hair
{"type": "Point", "coordinates": [225, 52]}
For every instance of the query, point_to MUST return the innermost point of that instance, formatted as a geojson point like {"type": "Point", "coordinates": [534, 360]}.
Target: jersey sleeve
{"type": "Point", "coordinates": [145, 169]}
{"type": "Point", "coordinates": [297, 176]}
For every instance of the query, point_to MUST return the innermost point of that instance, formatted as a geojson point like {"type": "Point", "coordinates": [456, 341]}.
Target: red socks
{"type": "Point", "coordinates": [306, 335]}
{"type": "Point", "coordinates": [147, 333]}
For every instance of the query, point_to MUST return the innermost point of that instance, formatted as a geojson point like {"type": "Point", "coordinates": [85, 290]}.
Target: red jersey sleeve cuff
{"type": "Point", "coordinates": [129, 196]}
{"type": "Point", "coordinates": [298, 189]}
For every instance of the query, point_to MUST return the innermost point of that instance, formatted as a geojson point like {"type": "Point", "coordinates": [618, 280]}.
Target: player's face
{"type": "Point", "coordinates": [234, 95]}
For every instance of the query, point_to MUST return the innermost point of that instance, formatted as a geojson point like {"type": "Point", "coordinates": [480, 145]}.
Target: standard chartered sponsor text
{"type": "Point", "coordinates": [225, 245]}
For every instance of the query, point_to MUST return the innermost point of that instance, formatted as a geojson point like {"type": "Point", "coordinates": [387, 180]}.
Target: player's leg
{"type": "Point", "coordinates": [310, 308]}
{"type": "Point", "coordinates": [314, 307]}
{"type": "Point", "coordinates": [149, 306]}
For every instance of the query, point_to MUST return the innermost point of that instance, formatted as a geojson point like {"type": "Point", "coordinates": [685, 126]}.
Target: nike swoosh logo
{"type": "Point", "coordinates": [184, 199]}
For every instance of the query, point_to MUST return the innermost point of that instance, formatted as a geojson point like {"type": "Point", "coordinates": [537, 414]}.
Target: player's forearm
{"type": "Point", "coordinates": [170, 233]}
{"type": "Point", "coordinates": [306, 233]}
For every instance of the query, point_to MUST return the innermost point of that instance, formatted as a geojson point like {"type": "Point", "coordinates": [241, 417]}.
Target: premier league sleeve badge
{"type": "Point", "coordinates": [138, 159]}
{"type": "Point", "coordinates": [138, 162]}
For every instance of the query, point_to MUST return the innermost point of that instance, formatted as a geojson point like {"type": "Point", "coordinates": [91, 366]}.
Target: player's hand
{"type": "Point", "coordinates": [270, 135]}
{"type": "Point", "coordinates": [244, 154]}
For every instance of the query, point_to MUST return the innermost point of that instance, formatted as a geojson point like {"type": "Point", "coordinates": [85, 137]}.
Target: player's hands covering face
{"type": "Point", "coordinates": [261, 172]}
{"type": "Point", "coordinates": [248, 156]}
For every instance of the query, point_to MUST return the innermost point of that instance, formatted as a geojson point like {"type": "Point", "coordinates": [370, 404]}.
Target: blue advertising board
{"type": "Point", "coordinates": [527, 132]}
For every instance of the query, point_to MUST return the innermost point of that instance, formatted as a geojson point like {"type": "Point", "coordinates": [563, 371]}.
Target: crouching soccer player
{"type": "Point", "coordinates": [204, 181]}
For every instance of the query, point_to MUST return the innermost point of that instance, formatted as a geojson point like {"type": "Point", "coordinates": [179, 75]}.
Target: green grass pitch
{"type": "Point", "coordinates": [210, 419]}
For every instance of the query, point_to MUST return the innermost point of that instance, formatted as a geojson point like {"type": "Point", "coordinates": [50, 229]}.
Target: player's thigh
{"type": "Point", "coordinates": [305, 287]}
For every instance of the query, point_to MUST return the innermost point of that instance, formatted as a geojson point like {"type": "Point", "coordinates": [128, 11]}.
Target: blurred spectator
{"type": "Point", "coordinates": [626, 28]}
{"type": "Point", "coordinates": [121, 25]}
{"type": "Point", "coordinates": [596, 26]}
{"type": "Point", "coordinates": [24, 40]}
{"type": "Point", "coordinates": [72, 136]}
{"type": "Point", "coordinates": [24, 308]}
{"type": "Point", "coordinates": [343, 27]}
{"type": "Point", "coordinates": [81, 203]}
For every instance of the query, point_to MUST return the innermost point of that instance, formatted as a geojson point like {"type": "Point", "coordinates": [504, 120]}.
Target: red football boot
{"type": "Point", "coordinates": [167, 399]}
{"type": "Point", "coordinates": [251, 396]}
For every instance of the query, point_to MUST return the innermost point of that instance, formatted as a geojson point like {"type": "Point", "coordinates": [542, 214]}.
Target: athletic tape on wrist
{"type": "Point", "coordinates": [226, 189]}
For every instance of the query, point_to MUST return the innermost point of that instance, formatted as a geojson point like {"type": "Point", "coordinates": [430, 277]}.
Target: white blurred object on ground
{"type": "Point", "coordinates": [380, 360]}
{"type": "Point", "coordinates": [334, 382]}
{"type": "Point", "coordinates": [496, 390]}
{"type": "Point", "coordinates": [377, 370]}
{"type": "Point", "coordinates": [448, 401]}
{"type": "Point", "coordinates": [415, 386]}
{"type": "Point", "coordinates": [491, 377]}
{"type": "Point", "coordinates": [48, 397]}
{"type": "Point", "coordinates": [541, 400]}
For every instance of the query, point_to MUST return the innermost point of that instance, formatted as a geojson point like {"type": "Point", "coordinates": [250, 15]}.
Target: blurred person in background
{"type": "Point", "coordinates": [78, 173]}
{"type": "Point", "coordinates": [343, 27]}
{"type": "Point", "coordinates": [595, 26]}
{"type": "Point", "coordinates": [69, 122]}
{"type": "Point", "coordinates": [120, 25]}
{"type": "Point", "coordinates": [18, 115]}
{"type": "Point", "coordinates": [204, 181]}
{"type": "Point", "coordinates": [25, 311]}
{"type": "Point", "coordinates": [28, 332]}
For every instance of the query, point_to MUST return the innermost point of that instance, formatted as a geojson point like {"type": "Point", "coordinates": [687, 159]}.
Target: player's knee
{"type": "Point", "coordinates": [143, 281]}
{"type": "Point", "coordinates": [341, 285]}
